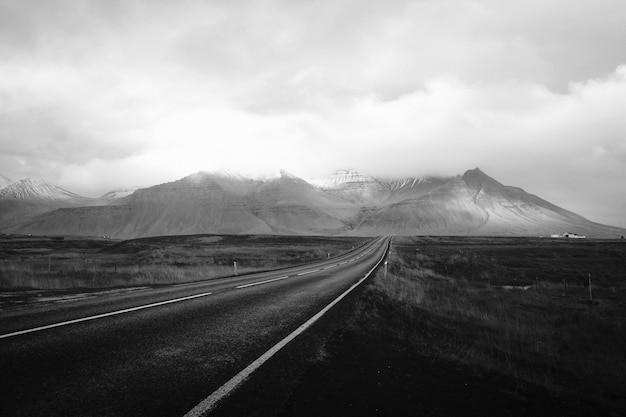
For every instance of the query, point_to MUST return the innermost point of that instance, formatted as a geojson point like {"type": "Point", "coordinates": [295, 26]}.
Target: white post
{"type": "Point", "coordinates": [385, 269]}
{"type": "Point", "coordinates": [235, 266]}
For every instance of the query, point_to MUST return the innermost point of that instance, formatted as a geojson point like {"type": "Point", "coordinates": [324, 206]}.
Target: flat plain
{"type": "Point", "coordinates": [452, 326]}
{"type": "Point", "coordinates": [480, 326]}
{"type": "Point", "coordinates": [41, 269]}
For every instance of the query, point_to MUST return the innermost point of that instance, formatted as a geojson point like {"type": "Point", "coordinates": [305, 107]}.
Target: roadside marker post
{"type": "Point", "coordinates": [235, 266]}
{"type": "Point", "coordinates": [590, 296]}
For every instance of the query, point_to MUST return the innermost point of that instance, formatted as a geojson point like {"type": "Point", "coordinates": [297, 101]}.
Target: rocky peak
{"type": "Point", "coordinates": [478, 180]}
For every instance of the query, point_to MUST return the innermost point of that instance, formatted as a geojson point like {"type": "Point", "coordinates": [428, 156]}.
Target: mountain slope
{"type": "Point", "coordinates": [293, 206]}
{"type": "Point", "coordinates": [366, 190]}
{"type": "Point", "coordinates": [447, 209]}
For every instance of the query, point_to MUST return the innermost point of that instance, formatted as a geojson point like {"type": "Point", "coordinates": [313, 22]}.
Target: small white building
{"type": "Point", "coordinates": [569, 235]}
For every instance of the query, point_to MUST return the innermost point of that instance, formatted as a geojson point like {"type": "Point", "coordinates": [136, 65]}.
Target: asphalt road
{"type": "Point", "coordinates": [159, 352]}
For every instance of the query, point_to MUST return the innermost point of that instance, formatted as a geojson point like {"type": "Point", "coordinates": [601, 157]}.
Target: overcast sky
{"type": "Point", "coordinates": [97, 95]}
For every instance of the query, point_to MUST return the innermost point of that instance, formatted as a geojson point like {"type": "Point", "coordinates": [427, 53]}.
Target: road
{"type": "Point", "coordinates": [160, 352]}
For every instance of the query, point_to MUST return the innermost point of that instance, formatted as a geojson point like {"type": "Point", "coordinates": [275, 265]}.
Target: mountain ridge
{"type": "Point", "coordinates": [347, 202]}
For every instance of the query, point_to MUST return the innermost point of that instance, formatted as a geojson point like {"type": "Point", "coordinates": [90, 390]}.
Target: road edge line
{"type": "Point", "coordinates": [209, 403]}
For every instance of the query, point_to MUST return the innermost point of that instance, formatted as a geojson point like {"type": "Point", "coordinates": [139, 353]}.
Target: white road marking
{"type": "Point", "coordinates": [308, 272]}
{"type": "Point", "coordinates": [262, 282]}
{"type": "Point", "coordinates": [209, 403]}
{"type": "Point", "coordinates": [99, 316]}
{"type": "Point", "coordinates": [330, 266]}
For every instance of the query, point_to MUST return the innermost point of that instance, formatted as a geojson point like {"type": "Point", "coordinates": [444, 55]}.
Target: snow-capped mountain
{"type": "Point", "coordinates": [22, 200]}
{"type": "Point", "coordinates": [36, 189]}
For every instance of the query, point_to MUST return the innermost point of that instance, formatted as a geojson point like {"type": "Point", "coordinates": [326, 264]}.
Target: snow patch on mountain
{"type": "Point", "coordinates": [340, 178]}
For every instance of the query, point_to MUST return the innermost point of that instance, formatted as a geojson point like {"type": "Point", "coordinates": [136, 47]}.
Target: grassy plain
{"type": "Point", "coordinates": [481, 326]}
{"type": "Point", "coordinates": [43, 263]}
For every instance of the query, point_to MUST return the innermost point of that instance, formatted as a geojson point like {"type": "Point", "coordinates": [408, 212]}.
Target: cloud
{"type": "Point", "coordinates": [552, 144]}
{"type": "Point", "coordinates": [95, 94]}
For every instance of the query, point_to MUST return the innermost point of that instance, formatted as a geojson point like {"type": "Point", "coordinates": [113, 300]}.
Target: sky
{"type": "Point", "coordinates": [102, 95]}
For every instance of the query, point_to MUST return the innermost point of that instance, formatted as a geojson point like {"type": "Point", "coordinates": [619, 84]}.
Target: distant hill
{"type": "Point", "coordinates": [25, 199]}
{"type": "Point", "coordinates": [113, 197]}
{"type": "Point", "coordinates": [346, 202]}
{"type": "Point", "coordinates": [37, 190]}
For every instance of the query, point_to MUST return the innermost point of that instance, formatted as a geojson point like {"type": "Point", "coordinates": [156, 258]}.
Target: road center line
{"type": "Point", "coordinates": [262, 282]}
{"type": "Point", "coordinates": [222, 392]}
{"type": "Point", "coordinates": [99, 316]}
{"type": "Point", "coordinates": [330, 266]}
{"type": "Point", "coordinates": [308, 272]}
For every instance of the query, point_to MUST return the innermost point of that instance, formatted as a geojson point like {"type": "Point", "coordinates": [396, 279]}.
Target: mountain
{"type": "Point", "coordinates": [476, 204]}
{"type": "Point", "coordinates": [37, 190]}
{"type": "Point", "coordinates": [25, 199]}
{"type": "Point", "coordinates": [206, 203]}
{"type": "Point", "coordinates": [199, 203]}
{"type": "Point", "coordinates": [346, 202]}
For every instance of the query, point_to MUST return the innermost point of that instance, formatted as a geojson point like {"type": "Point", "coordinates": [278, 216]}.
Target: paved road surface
{"type": "Point", "coordinates": [159, 352]}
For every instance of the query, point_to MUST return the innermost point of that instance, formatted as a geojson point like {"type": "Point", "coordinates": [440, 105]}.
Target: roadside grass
{"type": "Point", "coordinates": [18, 277]}
{"type": "Point", "coordinates": [451, 301]}
{"type": "Point", "coordinates": [49, 264]}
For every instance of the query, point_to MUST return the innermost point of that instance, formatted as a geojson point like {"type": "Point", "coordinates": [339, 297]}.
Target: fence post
{"type": "Point", "coordinates": [590, 296]}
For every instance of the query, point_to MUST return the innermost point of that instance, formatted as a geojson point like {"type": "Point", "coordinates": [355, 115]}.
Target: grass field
{"type": "Point", "coordinates": [512, 316]}
{"type": "Point", "coordinates": [28, 263]}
